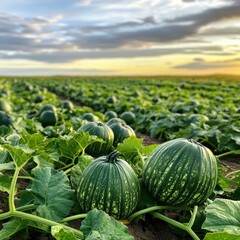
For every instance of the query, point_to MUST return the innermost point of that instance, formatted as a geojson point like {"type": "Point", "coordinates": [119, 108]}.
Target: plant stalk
{"type": "Point", "coordinates": [182, 226]}
{"type": "Point", "coordinates": [151, 209]}
{"type": "Point", "coordinates": [46, 222]}
{"type": "Point", "coordinates": [75, 217]}
{"type": "Point", "coordinates": [12, 190]}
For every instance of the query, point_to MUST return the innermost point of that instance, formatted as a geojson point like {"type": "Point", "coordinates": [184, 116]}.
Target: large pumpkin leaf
{"type": "Point", "coordinates": [99, 225]}
{"type": "Point", "coordinates": [52, 193]}
{"type": "Point", "coordinates": [223, 216]}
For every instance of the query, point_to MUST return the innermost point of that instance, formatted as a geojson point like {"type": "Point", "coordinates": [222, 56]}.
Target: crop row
{"type": "Point", "coordinates": [208, 112]}
{"type": "Point", "coordinates": [75, 160]}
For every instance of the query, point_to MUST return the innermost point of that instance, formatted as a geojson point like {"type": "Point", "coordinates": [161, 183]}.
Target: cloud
{"type": "Point", "coordinates": [211, 15]}
{"type": "Point", "coordinates": [83, 3]}
{"type": "Point", "coordinates": [57, 39]}
{"type": "Point", "coordinates": [201, 64]}
{"type": "Point", "coordinates": [70, 56]}
{"type": "Point", "coordinates": [51, 71]}
{"type": "Point", "coordinates": [223, 31]}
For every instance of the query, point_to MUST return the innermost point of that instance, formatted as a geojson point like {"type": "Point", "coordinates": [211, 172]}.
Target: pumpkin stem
{"type": "Point", "coordinates": [100, 124]}
{"type": "Point", "coordinates": [113, 156]}
{"type": "Point", "coordinates": [193, 141]}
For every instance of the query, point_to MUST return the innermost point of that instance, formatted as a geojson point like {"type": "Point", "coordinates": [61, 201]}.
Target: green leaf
{"type": "Point", "coordinates": [7, 166]}
{"type": "Point", "coordinates": [62, 234]}
{"type": "Point", "coordinates": [34, 141]}
{"type": "Point", "coordinates": [223, 216]}
{"type": "Point", "coordinates": [4, 156]}
{"type": "Point", "coordinates": [52, 193]}
{"type": "Point", "coordinates": [221, 236]}
{"type": "Point", "coordinates": [132, 147]}
{"type": "Point", "coordinates": [84, 139]}
{"type": "Point", "coordinates": [5, 183]}
{"type": "Point", "coordinates": [26, 198]}
{"type": "Point", "coordinates": [11, 227]}
{"type": "Point", "coordinates": [99, 225]}
{"type": "Point", "coordinates": [43, 160]}
{"type": "Point", "coordinates": [135, 152]}
{"type": "Point", "coordinates": [19, 154]}
{"type": "Point", "coordinates": [71, 146]}
{"type": "Point", "coordinates": [4, 130]}
{"type": "Point", "coordinates": [76, 171]}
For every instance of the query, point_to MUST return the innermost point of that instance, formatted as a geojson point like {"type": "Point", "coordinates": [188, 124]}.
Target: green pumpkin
{"type": "Point", "coordinates": [47, 107]}
{"type": "Point", "coordinates": [109, 184]}
{"type": "Point", "coordinates": [90, 117]}
{"type": "Point", "coordinates": [109, 115]}
{"type": "Point", "coordinates": [181, 172]}
{"type": "Point", "coordinates": [121, 131]}
{"type": "Point", "coordinates": [102, 131]}
{"type": "Point", "coordinates": [67, 105]}
{"type": "Point", "coordinates": [128, 117]}
{"type": "Point", "coordinates": [115, 120]}
{"type": "Point", "coordinates": [48, 118]}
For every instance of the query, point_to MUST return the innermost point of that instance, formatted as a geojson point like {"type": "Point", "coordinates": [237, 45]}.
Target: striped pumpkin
{"type": "Point", "coordinates": [109, 184]}
{"type": "Point", "coordinates": [102, 131]}
{"type": "Point", "coordinates": [181, 172]}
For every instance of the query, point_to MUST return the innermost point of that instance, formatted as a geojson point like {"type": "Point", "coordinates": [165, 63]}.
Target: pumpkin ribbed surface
{"type": "Point", "coordinates": [181, 172]}
{"type": "Point", "coordinates": [109, 184]}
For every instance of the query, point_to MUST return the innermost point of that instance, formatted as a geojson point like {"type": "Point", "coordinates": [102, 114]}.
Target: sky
{"type": "Point", "coordinates": [128, 37]}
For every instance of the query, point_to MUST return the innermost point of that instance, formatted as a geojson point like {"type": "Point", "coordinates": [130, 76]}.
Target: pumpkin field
{"type": "Point", "coordinates": [120, 158]}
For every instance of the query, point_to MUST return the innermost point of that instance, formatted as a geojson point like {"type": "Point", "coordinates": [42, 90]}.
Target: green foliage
{"type": "Point", "coordinates": [223, 216]}
{"type": "Point", "coordinates": [12, 227]}
{"type": "Point", "coordinates": [135, 152]}
{"type": "Point", "coordinates": [20, 154]}
{"type": "Point", "coordinates": [99, 225]}
{"type": "Point", "coordinates": [52, 192]}
{"type": "Point", "coordinates": [221, 235]}
{"type": "Point", "coordinates": [62, 234]}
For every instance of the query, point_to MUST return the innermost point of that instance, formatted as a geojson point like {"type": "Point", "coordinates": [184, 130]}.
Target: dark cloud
{"type": "Point", "coordinates": [64, 56]}
{"type": "Point", "coordinates": [157, 34]}
{"type": "Point", "coordinates": [115, 27]}
{"type": "Point", "coordinates": [221, 31]}
{"type": "Point", "coordinates": [211, 15]}
{"type": "Point", "coordinates": [175, 29]}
